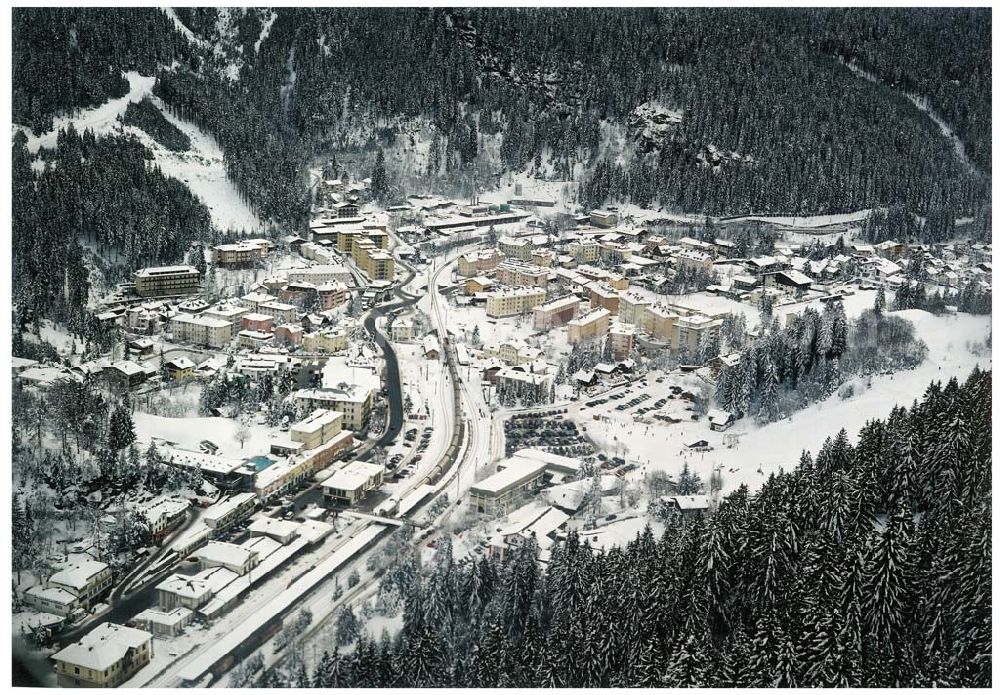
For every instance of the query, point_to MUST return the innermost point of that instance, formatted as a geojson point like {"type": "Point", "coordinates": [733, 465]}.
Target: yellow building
{"type": "Point", "coordinates": [105, 657]}
{"type": "Point", "coordinates": [328, 341]}
{"type": "Point", "coordinates": [591, 325]}
{"type": "Point", "coordinates": [513, 302]}
{"type": "Point", "coordinates": [317, 429]}
{"type": "Point", "coordinates": [478, 262]}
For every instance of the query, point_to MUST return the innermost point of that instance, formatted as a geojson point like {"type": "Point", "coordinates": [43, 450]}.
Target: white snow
{"type": "Point", "coordinates": [265, 30]}
{"type": "Point", "coordinates": [183, 29]}
{"type": "Point", "coordinates": [100, 119]}
{"type": "Point", "coordinates": [762, 450]}
{"type": "Point", "coordinates": [202, 167]}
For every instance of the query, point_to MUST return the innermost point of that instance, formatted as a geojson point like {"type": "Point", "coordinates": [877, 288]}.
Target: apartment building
{"type": "Point", "coordinates": [591, 325]}
{"type": "Point", "coordinates": [513, 302]}
{"type": "Point", "coordinates": [622, 337]}
{"type": "Point", "coordinates": [201, 330]}
{"type": "Point", "coordinates": [584, 250]}
{"type": "Point", "coordinates": [354, 401]}
{"type": "Point", "coordinates": [240, 255]}
{"type": "Point", "coordinates": [556, 313]}
{"type": "Point", "coordinates": [604, 297]}
{"type": "Point", "coordinates": [320, 274]}
{"type": "Point", "coordinates": [691, 260]}
{"type": "Point", "coordinates": [515, 247]}
{"type": "Point", "coordinates": [280, 312]}
{"type": "Point", "coordinates": [632, 308]}
{"type": "Point", "coordinates": [516, 273]}
{"type": "Point", "coordinates": [317, 429]}
{"type": "Point", "coordinates": [167, 281]}
{"type": "Point", "coordinates": [614, 280]}
{"type": "Point", "coordinates": [257, 322]}
{"type": "Point", "coordinates": [328, 341]}
{"type": "Point", "coordinates": [479, 262]}
{"type": "Point", "coordinates": [375, 263]}
{"type": "Point", "coordinates": [76, 586]}
{"type": "Point", "coordinates": [230, 313]}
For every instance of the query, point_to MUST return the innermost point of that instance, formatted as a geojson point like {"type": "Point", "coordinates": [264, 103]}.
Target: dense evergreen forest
{"type": "Point", "coordinates": [145, 116]}
{"type": "Point", "coordinates": [772, 120]}
{"type": "Point", "coordinates": [866, 565]}
{"type": "Point", "coordinates": [101, 192]}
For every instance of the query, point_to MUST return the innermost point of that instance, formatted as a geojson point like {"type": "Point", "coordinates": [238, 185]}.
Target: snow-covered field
{"type": "Point", "coordinates": [189, 432]}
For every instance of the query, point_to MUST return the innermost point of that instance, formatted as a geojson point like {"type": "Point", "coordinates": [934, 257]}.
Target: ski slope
{"type": "Point", "coordinates": [202, 167]}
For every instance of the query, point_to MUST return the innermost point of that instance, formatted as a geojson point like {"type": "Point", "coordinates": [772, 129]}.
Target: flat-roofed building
{"type": "Point", "coordinates": [167, 281]}
{"type": "Point", "coordinates": [513, 302]}
{"type": "Point", "coordinates": [622, 337]}
{"type": "Point", "coordinates": [604, 297]}
{"type": "Point", "coordinates": [263, 323]}
{"type": "Point", "coordinates": [352, 482]}
{"type": "Point", "coordinates": [164, 624]}
{"type": "Point", "coordinates": [593, 324]}
{"type": "Point", "coordinates": [556, 313]}
{"type": "Point", "coordinates": [324, 273]}
{"type": "Point", "coordinates": [317, 429]}
{"type": "Point", "coordinates": [105, 657]}
{"type": "Point", "coordinates": [694, 331]}
{"type": "Point", "coordinates": [632, 308]}
{"type": "Point", "coordinates": [500, 492]}
{"type": "Point", "coordinates": [661, 324]}
{"type": "Point", "coordinates": [201, 330]}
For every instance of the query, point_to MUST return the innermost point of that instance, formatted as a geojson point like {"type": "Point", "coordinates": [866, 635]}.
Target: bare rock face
{"type": "Point", "coordinates": [651, 125]}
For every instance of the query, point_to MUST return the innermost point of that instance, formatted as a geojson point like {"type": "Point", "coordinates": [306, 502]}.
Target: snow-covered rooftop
{"type": "Point", "coordinates": [104, 646]}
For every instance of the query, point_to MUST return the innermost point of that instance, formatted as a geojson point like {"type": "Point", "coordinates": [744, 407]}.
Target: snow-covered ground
{"type": "Point", "coordinates": [762, 450]}
{"type": "Point", "coordinates": [189, 432]}
{"type": "Point", "coordinates": [101, 119]}
{"type": "Point", "coordinates": [203, 170]}
{"type": "Point", "coordinates": [201, 167]}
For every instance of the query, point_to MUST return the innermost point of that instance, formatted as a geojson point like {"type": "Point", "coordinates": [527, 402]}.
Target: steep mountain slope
{"type": "Point", "coordinates": [765, 116]}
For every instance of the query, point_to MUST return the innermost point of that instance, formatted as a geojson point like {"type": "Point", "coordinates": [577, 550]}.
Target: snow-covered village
{"type": "Point", "coordinates": [312, 394]}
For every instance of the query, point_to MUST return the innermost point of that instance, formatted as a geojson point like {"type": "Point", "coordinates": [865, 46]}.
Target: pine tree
{"type": "Point", "coordinates": [380, 181]}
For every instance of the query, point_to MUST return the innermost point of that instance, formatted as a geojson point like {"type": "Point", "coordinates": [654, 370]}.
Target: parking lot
{"type": "Point", "coordinates": [549, 430]}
